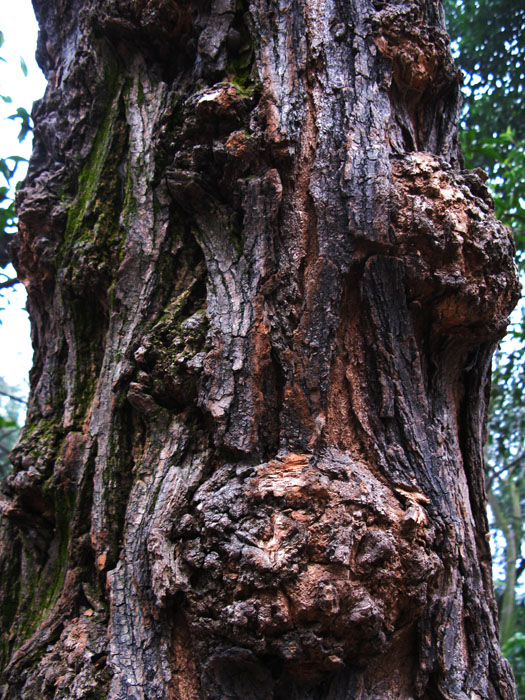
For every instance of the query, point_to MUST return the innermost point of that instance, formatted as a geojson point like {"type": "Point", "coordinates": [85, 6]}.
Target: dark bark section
{"type": "Point", "coordinates": [264, 302]}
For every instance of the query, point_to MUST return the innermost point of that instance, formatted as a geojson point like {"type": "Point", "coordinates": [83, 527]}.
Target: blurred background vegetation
{"type": "Point", "coordinates": [488, 43]}
{"type": "Point", "coordinates": [13, 399]}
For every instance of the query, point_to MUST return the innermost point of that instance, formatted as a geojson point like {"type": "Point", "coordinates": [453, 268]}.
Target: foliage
{"type": "Point", "coordinates": [8, 184]}
{"type": "Point", "coordinates": [489, 46]}
{"type": "Point", "coordinates": [503, 157]}
{"type": "Point", "coordinates": [488, 36]}
{"type": "Point", "coordinates": [10, 402]}
{"type": "Point", "coordinates": [8, 167]}
{"type": "Point", "coordinates": [514, 650]}
{"type": "Point", "coordinates": [11, 413]}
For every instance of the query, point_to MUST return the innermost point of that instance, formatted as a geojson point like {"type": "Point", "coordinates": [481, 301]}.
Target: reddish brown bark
{"type": "Point", "coordinates": [264, 300]}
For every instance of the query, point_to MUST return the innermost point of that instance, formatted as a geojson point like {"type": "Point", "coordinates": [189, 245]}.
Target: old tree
{"type": "Point", "coordinates": [264, 299]}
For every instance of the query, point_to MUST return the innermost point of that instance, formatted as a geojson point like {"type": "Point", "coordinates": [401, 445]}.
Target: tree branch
{"type": "Point", "coordinates": [14, 398]}
{"type": "Point", "coordinates": [10, 282]}
{"type": "Point", "coordinates": [520, 569]}
{"type": "Point", "coordinates": [507, 467]}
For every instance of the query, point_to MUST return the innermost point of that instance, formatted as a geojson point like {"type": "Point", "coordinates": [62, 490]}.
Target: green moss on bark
{"type": "Point", "coordinates": [93, 243]}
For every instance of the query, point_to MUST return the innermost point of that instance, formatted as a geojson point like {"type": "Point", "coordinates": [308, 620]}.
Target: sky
{"type": "Point", "coordinates": [20, 33]}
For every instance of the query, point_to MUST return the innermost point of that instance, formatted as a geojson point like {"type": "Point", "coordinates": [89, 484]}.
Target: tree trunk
{"type": "Point", "coordinates": [509, 524]}
{"type": "Point", "coordinates": [264, 300]}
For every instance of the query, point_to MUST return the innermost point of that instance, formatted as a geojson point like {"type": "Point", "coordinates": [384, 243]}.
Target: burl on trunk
{"type": "Point", "coordinates": [264, 299]}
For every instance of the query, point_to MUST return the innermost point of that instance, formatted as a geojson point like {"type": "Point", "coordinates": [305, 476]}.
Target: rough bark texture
{"type": "Point", "coordinates": [264, 300]}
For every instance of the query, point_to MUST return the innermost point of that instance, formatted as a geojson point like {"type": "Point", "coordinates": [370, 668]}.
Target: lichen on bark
{"type": "Point", "coordinates": [264, 298]}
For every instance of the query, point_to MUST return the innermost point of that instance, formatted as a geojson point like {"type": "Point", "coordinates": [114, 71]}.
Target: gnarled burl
{"type": "Point", "coordinates": [264, 298]}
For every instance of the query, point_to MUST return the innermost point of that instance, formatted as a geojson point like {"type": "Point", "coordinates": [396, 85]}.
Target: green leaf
{"type": "Point", "coordinates": [7, 423]}
{"type": "Point", "coordinates": [23, 66]}
{"type": "Point", "coordinates": [25, 119]}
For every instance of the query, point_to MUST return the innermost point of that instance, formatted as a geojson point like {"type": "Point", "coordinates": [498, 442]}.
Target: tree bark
{"type": "Point", "coordinates": [264, 300]}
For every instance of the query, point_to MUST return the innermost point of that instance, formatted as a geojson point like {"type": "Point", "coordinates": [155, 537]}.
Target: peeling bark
{"type": "Point", "coordinates": [264, 300]}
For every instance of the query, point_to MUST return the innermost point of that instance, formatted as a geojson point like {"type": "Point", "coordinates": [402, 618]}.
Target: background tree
{"type": "Point", "coordinates": [264, 301]}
